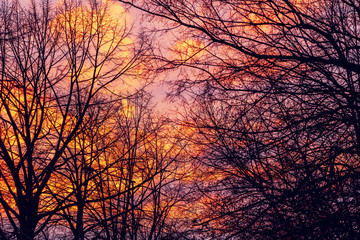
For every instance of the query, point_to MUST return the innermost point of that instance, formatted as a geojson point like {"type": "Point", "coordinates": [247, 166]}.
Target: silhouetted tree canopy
{"type": "Point", "coordinates": [275, 85]}
{"type": "Point", "coordinates": [266, 145]}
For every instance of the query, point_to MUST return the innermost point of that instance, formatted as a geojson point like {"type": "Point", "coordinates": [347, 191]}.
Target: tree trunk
{"type": "Point", "coordinates": [28, 206]}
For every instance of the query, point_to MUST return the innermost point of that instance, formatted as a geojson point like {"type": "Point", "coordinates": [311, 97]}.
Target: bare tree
{"type": "Point", "coordinates": [142, 183]}
{"type": "Point", "coordinates": [54, 64]}
{"type": "Point", "coordinates": [84, 163]}
{"type": "Point", "coordinates": [276, 87]}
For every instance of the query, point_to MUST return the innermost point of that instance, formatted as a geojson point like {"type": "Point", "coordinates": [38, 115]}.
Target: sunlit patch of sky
{"type": "Point", "coordinates": [159, 88]}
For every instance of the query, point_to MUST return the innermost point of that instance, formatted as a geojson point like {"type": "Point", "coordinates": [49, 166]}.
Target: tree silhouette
{"type": "Point", "coordinates": [275, 86]}
{"type": "Point", "coordinates": [55, 64]}
{"type": "Point", "coordinates": [142, 184]}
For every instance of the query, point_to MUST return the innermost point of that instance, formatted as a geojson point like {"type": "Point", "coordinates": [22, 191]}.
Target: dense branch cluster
{"type": "Point", "coordinates": [276, 104]}
{"type": "Point", "coordinates": [81, 153]}
{"type": "Point", "coordinates": [267, 147]}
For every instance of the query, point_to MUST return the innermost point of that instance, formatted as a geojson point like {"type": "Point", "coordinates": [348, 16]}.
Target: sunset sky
{"type": "Point", "coordinates": [255, 134]}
